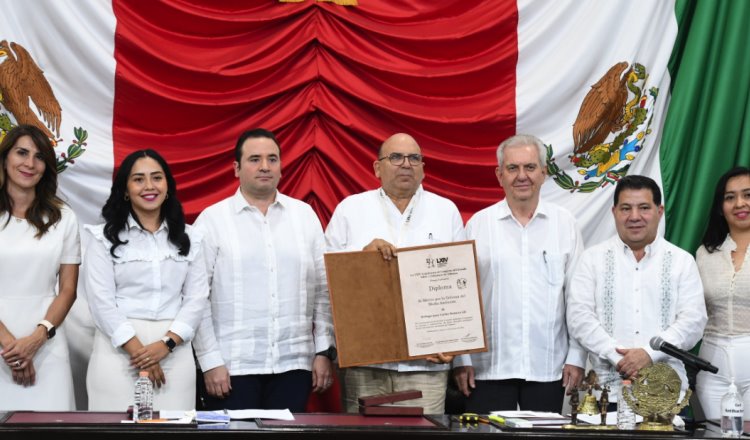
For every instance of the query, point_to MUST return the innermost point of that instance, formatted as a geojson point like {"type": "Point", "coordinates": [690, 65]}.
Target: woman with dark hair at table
{"type": "Point", "coordinates": [39, 252]}
{"type": "Point", "coordinates": [724, 264]}
{"type": "Point", "coordinates": [147, 289]}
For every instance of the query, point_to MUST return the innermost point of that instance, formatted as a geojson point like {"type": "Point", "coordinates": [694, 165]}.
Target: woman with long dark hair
{"type": "Point", "coordinates": [147, 288]}
{"type": "Point", "coordinates": [724, 264]}
{"type": "Point", "coordinates": [39, 251]}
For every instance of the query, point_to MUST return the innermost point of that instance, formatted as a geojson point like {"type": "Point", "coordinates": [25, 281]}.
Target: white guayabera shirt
{"type": "Point", "coordinates": [270, 311]}
{"type": "Point", "coordinates": [618, 302]}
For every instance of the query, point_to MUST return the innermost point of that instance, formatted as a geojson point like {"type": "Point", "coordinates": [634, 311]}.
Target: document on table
{"type": "Point", "coordinates": [611, 418]}
{"type": "Point", "coordinates": [528, 414]}
{"type": "Point", "coordinates": [171, 417]}
{"type": "Point", "coordinates": [274, 414]}
{"type": "Point", "coordinates": [537, 418]}
{"type": "Point", "coordinates": [224, 415]}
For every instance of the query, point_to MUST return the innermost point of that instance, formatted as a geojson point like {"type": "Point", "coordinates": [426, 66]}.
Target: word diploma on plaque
{"type": "Point", "coordinates": [442, 304]}
{"type": "Point", "coordinates": [425, 301]}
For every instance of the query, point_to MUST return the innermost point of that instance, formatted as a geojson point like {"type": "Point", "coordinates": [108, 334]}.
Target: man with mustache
{"type": "Point", "coordinates": [632, 287]}
{"type": "Point", "coordinates": [398, 214]}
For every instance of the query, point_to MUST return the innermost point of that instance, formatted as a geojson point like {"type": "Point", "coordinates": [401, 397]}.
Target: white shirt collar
{"type": "Point", "coordinates": [650, 248]}
{"type": "Point", "coordinates": [133, 224]}
{"type": "Point", "coordinates": [729, 245]}
{"type": "Point", "coordinates": [417, 194]}
{"type": "Point", "coordinates": [503, 210]}
{"type": "Point", "coordinates": [239, 202]}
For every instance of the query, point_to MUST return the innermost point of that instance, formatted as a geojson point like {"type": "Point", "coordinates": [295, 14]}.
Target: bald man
{"type": "Point", "coordinates": [398, 214]}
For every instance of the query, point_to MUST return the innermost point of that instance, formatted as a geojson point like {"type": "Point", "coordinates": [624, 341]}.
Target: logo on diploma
{"type": "Point", "coordinates": [432, 263]}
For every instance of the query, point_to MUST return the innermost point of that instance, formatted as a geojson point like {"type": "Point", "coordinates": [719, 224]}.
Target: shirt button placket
{"type": "Point", "coordinates": [637, 301]}
{"type": "Point", "coordinates": [155, 274]}
{"type": "Point", "coordinates": [273, 331]}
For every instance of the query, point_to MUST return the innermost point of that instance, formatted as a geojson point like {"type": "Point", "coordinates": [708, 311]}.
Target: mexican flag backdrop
{"type": "Point", "coordinates": [613, 88]}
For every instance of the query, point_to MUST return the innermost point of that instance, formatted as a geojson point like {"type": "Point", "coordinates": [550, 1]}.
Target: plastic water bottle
{"type": "Point", "coordinates": [625, 414]}
{"type": "Point", "coordinates": [143, 406]}
{"type": "Point", "coordinates": [732, 410]}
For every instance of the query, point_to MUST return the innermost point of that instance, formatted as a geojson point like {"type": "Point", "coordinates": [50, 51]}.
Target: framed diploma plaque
{"type": "Point", "coordinates": [425, 301]}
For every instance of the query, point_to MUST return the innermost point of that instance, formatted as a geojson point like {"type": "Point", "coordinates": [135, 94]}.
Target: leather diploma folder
{"type": "Point", "coordinates": [371, 405]}
{"type": "Point", "coordinates": [367, 306]}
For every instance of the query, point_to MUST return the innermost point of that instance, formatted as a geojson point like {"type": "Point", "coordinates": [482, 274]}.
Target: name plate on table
{"type": "Point", "coordinates": [425, 301]}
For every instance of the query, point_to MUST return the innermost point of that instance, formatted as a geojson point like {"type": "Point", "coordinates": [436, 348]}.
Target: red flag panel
{"type": "Point", "coordinates": [331, 81]}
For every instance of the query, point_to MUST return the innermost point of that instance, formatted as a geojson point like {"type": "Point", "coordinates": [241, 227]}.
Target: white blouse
{"type": "Point", "coordinates": [727, 292]}
{"type": "Point", "coordinates": [149, 279]}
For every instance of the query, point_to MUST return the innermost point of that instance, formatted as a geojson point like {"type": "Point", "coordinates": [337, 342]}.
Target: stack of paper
{"type": "Point", "coordinates": [224, 416]}
{"type": "Point", "coordinates": [536, 418]}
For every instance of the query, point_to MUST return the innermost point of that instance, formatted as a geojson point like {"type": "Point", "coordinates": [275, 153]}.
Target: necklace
{"type": "Point", "coordinates": [395, 231]}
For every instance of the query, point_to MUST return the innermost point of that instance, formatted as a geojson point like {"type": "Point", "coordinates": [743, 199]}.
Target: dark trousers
{"type": "Point", "coordinates": [510, 394]}
{"type": "Point", "coordinates": [262, 391]}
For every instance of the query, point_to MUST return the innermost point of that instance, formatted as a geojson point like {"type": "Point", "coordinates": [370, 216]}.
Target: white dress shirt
{"type": "Point", "coordinates": [428, 219]}
{"type": "Point", "coordinates": [618, 302]}
{"type": "Point", "coordinates": [149, 280]}
{"type": "Point", "coordinates": [270, 311]}
{"type": "Point", "coordinates": [523, 273]}
{"type": "Point", "coordinates": [727, 290]}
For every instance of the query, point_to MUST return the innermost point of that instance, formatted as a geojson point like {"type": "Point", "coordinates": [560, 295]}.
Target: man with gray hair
{"type": "Point", "coordinates": [526, 250]}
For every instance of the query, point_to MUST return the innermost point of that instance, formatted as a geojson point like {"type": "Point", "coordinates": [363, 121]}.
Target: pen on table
{"type": "Point", "coordinates": [497, 419]}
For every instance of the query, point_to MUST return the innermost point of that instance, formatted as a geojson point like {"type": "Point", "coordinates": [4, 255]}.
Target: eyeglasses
{"type": "Point", "coordinates": [397, 159]}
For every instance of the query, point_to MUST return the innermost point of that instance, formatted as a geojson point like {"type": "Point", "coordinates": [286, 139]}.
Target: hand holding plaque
{"type": "Point", "coordinates": [424, 302]}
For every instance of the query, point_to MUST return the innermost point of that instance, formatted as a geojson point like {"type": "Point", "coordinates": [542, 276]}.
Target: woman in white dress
{"type": "Point", "coordinates": [39, 250]}
{"type": "Point", "coordinates": [147, 289]}
{"type": "Point", "coordinates": [724, 264]}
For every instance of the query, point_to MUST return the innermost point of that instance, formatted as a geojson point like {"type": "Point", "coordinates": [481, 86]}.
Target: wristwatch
{"type": "Point", "coordinates": [330, 353]}
{"type": "Point", "coordinates": [171, 344]}
{"type": "Point", "coordinates": [49, 327]}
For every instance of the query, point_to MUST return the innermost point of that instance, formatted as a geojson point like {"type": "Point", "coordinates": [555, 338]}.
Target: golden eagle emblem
{"type": "Point", "coordinates": [655, 395]}
{"type": "Point", "coordinates": [20, 80]}
{"type": "Point", "coordinates": [616, 105]}
{"type": "Point", "coordinates": [21, 83]}
{"type": "Point", "coordinates": [602, 110]}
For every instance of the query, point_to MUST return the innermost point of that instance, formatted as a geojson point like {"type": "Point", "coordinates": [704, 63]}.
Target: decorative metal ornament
{"type": "Point", "coordinates": [656, 396]}
{"type": "Point", "coordinates": [589, 406]}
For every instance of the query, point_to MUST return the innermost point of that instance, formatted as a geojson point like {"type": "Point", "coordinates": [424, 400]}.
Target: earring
{"type": "Point", "coordinates": [127, 197]}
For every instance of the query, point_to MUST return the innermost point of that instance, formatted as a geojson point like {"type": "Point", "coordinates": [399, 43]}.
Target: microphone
{"type": "Point", "coordinates": [658, 343]}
